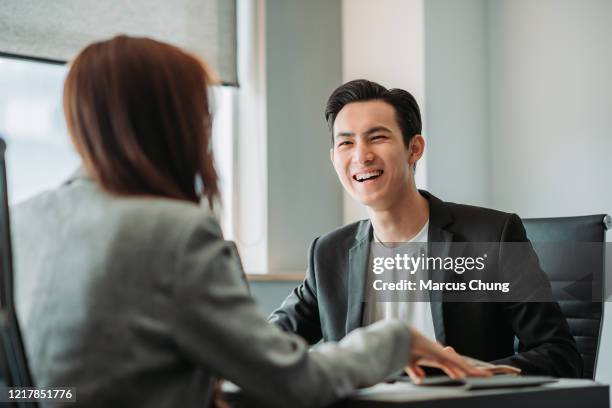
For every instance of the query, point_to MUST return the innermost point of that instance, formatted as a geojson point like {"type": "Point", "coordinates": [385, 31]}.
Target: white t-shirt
{"type": "Point", "coordinates": [415, 313]}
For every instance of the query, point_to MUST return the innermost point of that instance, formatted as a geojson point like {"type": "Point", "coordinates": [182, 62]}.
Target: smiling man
{"type": "Point", "coordinates": [376, 144]}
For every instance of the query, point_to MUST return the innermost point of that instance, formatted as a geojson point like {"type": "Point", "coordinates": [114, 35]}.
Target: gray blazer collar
{"type": "Point", "coordinates": [364, 232]}
{"type": "Point", "coordinates": [79, 174]}
{"type": "Point", "coordinates": [439, 219]}
{"type": "Point", "coordinates": [358, 269]}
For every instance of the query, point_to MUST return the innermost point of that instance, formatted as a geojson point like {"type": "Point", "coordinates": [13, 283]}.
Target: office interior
{"type": "Point", "coordinates": [515, 96]}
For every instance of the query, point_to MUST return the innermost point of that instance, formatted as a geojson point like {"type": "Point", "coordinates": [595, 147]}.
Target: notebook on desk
{"type": "Point", "coordinates": [496, 381]}
{"type": "Point", "coordinates": [563, 392]}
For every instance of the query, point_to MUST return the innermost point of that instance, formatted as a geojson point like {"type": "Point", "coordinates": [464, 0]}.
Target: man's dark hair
{"type": "Point", "coordinates": [406, 108]}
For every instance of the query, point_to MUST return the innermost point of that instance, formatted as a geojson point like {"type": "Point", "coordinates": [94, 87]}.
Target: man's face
{"type": "Point", "coordinates": [369, 154]}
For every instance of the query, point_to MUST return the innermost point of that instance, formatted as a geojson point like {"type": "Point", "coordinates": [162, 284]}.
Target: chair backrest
{"type": "Point", "coordinates": [584, 316]}
{"type": "Point", "coordinates": [13, 361]}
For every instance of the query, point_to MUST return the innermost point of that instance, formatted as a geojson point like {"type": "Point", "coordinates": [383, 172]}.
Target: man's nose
{"type": "Point", "coordinates": [363, 153]}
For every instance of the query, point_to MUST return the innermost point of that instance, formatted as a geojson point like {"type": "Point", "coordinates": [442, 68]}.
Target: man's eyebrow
{"type": "Point", "coordinates": [344, 134]}
{"type": "Point", "coordinates": [367, 132]}
{"type": "Point", "coordinates": [377, 129]}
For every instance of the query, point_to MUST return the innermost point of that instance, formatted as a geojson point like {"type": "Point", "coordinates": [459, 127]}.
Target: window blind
{"type": "Point", "coordinates": [58, 29]}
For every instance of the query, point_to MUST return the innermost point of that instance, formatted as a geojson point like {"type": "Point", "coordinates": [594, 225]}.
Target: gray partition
{"type": "Point", "coordinates": [270, 294]}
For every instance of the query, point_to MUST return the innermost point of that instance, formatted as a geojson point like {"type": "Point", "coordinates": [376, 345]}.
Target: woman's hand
{"type": "Point", "coordinates": [425, 352]}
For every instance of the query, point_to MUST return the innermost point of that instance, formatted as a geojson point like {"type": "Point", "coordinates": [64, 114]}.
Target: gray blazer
{"type": "Point", "coordinates": [139, 302]}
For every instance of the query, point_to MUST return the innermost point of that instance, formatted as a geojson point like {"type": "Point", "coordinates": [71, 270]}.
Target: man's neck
{"type": "Point", "coordinates": [402, 220]}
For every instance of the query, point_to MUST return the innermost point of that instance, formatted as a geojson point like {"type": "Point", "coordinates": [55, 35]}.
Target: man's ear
{"type": "Point", "coordinates": [416, 149]}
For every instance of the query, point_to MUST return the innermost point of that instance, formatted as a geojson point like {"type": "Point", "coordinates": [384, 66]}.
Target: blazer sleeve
{"type": "Point", "coordinates": [218, 326]}
{"type": "Point", "coordinates": [299, 312]}
{"type": "Point", "coordinates": [546, 346]}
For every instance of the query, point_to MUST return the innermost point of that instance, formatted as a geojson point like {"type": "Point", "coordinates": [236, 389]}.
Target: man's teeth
{"type": "Point", "coordinates": [365, 176]}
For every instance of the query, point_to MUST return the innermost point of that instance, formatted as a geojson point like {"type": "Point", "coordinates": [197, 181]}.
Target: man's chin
{"type": "Point", "coordinates": [373, 203]}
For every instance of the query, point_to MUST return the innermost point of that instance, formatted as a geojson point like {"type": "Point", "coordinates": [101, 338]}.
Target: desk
{"type": "Point", "coordinates": [564, 393]}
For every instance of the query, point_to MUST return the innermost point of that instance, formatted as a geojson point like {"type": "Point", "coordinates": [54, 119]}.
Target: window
{"type": "Point", "coordinates": [223, 148]}
{"type": "Point", "coordinates": [40, 155]}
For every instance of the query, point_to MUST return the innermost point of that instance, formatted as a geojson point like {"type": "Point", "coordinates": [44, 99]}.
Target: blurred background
{"type": "Point", "coordinates": [515, 95]}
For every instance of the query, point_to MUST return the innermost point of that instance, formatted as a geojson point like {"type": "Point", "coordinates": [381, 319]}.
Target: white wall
{"type": "Point", "coordinates": [287, 192]}
{"type": "Point", "coordinates": [551, 127]}
{"type": "Point", "coordinates": [303, 66]}
{"type": "Point", "coordinates": [551, 104]}
{"type": "Point", "coordinates": [518, 104]}
{"type": "Point", "coordinates": [457, 88]}
{"type": "Point", "coordinates": [519, 109]}
{"type": "Point", "coordinates": [383, 41]}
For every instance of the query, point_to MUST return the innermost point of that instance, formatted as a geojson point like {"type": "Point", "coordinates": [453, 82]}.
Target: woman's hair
{"type": "Point", "coordinates": [138, 114]}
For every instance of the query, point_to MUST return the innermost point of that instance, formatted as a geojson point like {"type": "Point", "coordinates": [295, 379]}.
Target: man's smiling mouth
{"type": "Point", "coordinates": [370, 175]}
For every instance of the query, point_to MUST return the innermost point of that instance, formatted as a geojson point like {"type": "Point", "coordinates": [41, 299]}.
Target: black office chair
{"type": "Point", "coordinates": [581, 267]}
{"type": "Point", "coordinates": [13, 361]}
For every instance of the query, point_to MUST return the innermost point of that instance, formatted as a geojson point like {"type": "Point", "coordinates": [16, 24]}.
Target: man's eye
{"type": "Point", "coordinates": [378, 137]}
{"type": "Point", "coordinates": [346, 142]}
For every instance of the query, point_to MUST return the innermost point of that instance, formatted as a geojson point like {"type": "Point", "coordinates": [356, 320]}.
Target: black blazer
{"type": "Point", "coordinates": [329, 303]}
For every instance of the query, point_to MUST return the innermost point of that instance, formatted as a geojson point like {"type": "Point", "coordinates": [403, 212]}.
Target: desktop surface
{"type": "Point", "coordinates": [560, 394]}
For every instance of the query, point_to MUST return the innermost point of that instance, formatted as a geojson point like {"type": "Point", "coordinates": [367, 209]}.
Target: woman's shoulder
{"type": "Point", "coordinates": [168, 220]}
{"type": "Point", "coordinates": [85, 207]}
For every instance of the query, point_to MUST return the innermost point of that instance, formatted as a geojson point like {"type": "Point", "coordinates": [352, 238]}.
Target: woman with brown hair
{"type": "Point", "coordinates": [126, 289]}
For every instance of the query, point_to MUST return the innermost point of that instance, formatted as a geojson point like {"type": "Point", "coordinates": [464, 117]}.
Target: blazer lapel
{"type": "Point", "coordinates": [439, 243]}
{"type": "Point", "coordinates": [439, 218]}
{"type": "Point", "coordinates": [358, 269]}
